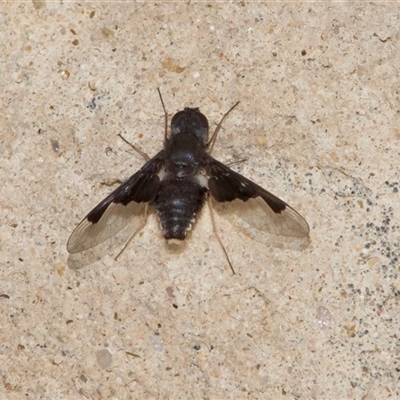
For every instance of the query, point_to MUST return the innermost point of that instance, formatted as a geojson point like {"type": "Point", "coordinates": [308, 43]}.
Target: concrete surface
{"type": "Point", "coordinates": [318, 125]}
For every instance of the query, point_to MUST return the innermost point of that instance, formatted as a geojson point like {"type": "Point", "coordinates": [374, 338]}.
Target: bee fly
{"type": "Point", "coordinates": [177, 182]}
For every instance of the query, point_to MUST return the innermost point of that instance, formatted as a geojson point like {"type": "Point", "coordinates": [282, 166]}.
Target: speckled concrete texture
{"type": "Point", "coordinates": [318, 125]}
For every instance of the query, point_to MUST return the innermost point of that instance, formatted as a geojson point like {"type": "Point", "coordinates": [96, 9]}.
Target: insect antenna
{"type": "Point", "coordinates": [165, 114]}
{"type": "Point", "coordinates": [211, 142]}
{"type": "Point", "coordinates": [142, 225]}
{"type": "Point", "coordinates": [217, 236]}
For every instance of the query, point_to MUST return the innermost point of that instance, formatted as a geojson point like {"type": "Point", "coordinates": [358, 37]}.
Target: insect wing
{"type": "Point", "coordinates": [255, 205]}
{"type": "Point", "coordinates": [125, 203]}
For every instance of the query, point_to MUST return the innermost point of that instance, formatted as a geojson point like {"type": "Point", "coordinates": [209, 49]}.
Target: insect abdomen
{"type": "Point", "coordinates": [178, 202]}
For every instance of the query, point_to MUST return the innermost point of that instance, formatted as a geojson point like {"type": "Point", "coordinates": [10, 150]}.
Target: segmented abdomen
{"type": "Point", "coordinates": [178, 201]}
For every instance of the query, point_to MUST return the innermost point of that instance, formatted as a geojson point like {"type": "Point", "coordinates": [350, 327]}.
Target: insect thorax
{"type": "Point", "coordinates": [184, 154]}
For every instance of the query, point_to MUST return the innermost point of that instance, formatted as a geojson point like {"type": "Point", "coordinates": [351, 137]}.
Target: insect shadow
{"type": "Point", "coordinates": [177, 182]}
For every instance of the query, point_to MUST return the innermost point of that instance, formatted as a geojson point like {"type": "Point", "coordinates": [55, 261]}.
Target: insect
{"type": "Point", "coordinates": [177, 182]}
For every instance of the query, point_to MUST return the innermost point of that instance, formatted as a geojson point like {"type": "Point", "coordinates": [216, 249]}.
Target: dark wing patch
{"type": "Point", "coordinates": [255, 205]}
{"type": "Point", "coordinates": [125, 203]}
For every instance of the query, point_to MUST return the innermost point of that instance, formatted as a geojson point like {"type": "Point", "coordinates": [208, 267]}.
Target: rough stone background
{"type": "Point", "coordinates": [318, 125]}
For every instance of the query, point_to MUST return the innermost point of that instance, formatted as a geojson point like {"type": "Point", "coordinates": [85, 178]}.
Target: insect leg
{"type": "Point", "coordinates": [142, 225]}
{"type": "Point", "coordinates": [216, 234]}
{"type": "Point", "coordinates": [165, 113]}
{"type": "Point", "coordinates": [237, 162]}
{"type": "Point", "coordinates": [142, 153]}
{"type": "Point", "coordinates": [211, 142]}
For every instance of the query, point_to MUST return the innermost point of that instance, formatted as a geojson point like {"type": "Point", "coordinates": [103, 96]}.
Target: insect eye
{"type": "Point", "coordinates": [190, 120]}
{"type": "Point", "coordinates": [178, 122]}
